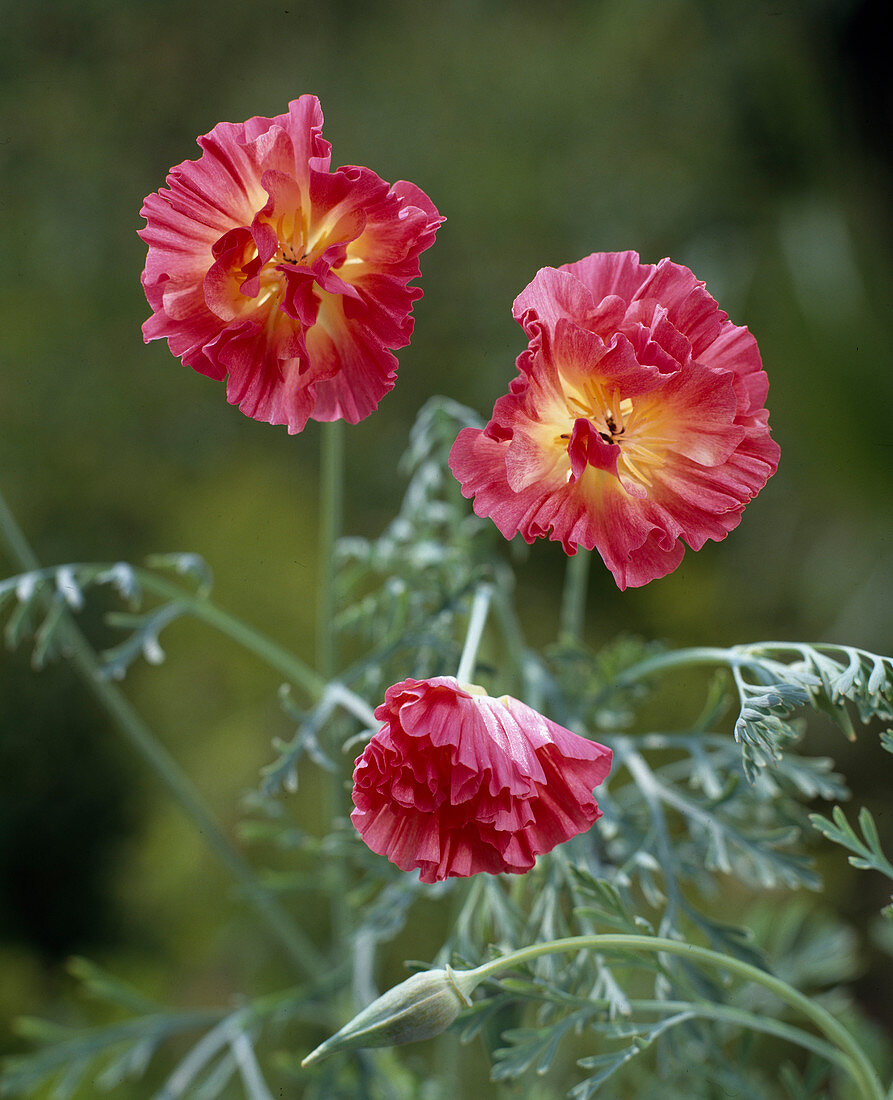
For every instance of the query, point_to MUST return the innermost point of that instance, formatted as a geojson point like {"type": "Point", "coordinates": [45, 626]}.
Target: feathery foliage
{"type": "Point", "coordinates": [687, 813]}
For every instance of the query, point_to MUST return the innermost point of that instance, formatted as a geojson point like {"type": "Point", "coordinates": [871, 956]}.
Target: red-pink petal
{"type": "Point", "coordinates": [456, 783]}
{"type": "Point", "coordinates": [635, 424]}
{"type": "Point", "coordinates": [688, 304]}
{"type": "Point", "coordinates": [265, 265]}
{"type": "Point", "coordinates": [611, 273]}
{"type": "Point", "coordinates": [554, 294]}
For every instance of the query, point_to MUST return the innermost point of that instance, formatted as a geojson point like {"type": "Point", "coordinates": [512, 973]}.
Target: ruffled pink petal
{"type": "Point", "coordinates": [395, 228]}
{"type": "Point", "coordinates": [587, 448]}
{"type": "Point", "coordinates": [383, 303]}
{"type": "Point", "coordinates": [657, 557]}
{"type": "Point", "coordinates": [702, 407]}
{"type": "Point", "coordinates": [529, 464]}
{"type": "Point", "coordinates": [221, 189]}
{"type": "Point", "coordinates": [303, 123]}
{"type": "Point", "coordinates": [355, 368]}
{"type": "Point", "coordinates": [689, 306]}
{"type": "Point", "coordinates": [655, 338]}
{"type": "Point", "coordinates": [552, 296]}
{"type": "Point", "coordinates": [579, 357]}
{"type": "Point", "coordinates": [478, 463]}
{"type": "Point", "coordinates": [457, 783]}
{"type": "Point", "coordinates": [620, 274]}
{"type": "Point", "coordinates": [635, 424]}
{"type": "Point", "coordinates": [735, 350]}
{"type": "Point", "coordinates": [266, 266]}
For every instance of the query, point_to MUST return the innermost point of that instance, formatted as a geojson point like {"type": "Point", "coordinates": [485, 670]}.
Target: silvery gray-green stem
{"type": "Point", "coordinates": [854, 1058]}
{"type": "Point", "coordinates": [696, 655]}
{"type": "Point", "coordinates": [476, 622]}
{"type": "Point", "coordinates": [428, 1002]}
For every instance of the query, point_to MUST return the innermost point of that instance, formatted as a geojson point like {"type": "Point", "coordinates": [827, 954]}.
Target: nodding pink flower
{"type": "Point", "coordinates": [636, 422]}
{"type": "Point", "coordinates": [455, 782]}
{"type": "Point", "coordinates": [288, 279]}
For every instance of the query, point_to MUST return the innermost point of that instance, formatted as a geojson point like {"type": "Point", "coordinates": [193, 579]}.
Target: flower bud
{"type": "Point", "coordinates": [422, 1006]}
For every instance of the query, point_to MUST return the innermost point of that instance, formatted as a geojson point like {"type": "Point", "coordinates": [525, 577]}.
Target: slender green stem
{"type": "Point", "coordinates": [697, 655]}
{"type": "Point", "coordinates": [739, 1017]}
{"type": "Point", "coordinates": [855, 1059]}
{"type": "Point", "coordinates": [137, 733]}
{"type": "Point", "coordinates": [203, 608]}
{"type": "Point", "coordinates": [274, 654]}
{"type": "Point", "coordinates": [331, 495]}
{"type": "Point", "coordinates": [193, 805]}
{"type": "Point", "coordinates": [331, 480]}
{"type": "Point", "coordinates": [476, 623]}
{"type": "Point", "coordinates": [572, 615]}
{"type": "Point", "coordinates": [735, 657]}
{"type": "Point", "coordinates": [728, 1014]}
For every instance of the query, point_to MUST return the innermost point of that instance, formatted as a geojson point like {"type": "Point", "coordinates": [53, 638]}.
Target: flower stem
{"type": "Point", "coordinates": [137, 733]}
{"type": "Point", "coordinates": [274, 654]}
{"type": "Point", "coordinates": [203, 608]}
{"type": "Point", "coordinates": [476, 622]}
{"type": "Point", "coordinates": [739, 1017]}
{"type": "Point", "coordinates": [854, 1058]}
{"type": "Point", "coordinates": [331, 502]}
{"type": "Point", "coordinates": [572, 615]}
{"type": "Point", "coordinates": [331, 494]}
{"type": "Point", "coordinates": [697, 655]}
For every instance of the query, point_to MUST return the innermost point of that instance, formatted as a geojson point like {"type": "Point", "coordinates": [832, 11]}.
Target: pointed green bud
{"type": "Point", "coordinates": [422, 1006]}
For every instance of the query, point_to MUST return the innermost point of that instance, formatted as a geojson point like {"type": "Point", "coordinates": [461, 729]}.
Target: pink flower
{"type": "Point", "coordinates": [636, 421]}
{"type": "Point", "coordinates": [455, 782]}
{"type": "Point", "coordinates": [267, 266]}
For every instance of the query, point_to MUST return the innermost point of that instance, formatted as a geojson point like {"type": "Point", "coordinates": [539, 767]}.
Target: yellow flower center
{"type": "Point", "coordinates": [632, 426]}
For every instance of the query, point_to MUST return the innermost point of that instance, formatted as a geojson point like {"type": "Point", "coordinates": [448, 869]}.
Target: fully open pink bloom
{"type": "Point", "coordinates": [267, 266]}
{"type": "Point", "coordinates": [456, 782]}
{"type": "Point", "coordinates": [636, 421]}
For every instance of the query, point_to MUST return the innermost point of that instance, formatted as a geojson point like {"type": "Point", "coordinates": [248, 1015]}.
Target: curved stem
{"type": "Point", "coordinates": [274, 654]}
{"type": "Point", "coordinates": [134, 729]}
{"type": "Point", "coordinates": [737, 1017]}
{"type": "Point", "coordinates": [739, 656]}
{"type": "Point", "coordinates": [697, 655]}
{"type": "Point", "coordinates": [476, 623]}
{"type": "Point", "coordinates": [572, 615]}
{"type": "Point", "coordinates": [203, 608]}
{"type": "Point", "coordinates": [740, 1017]}
{"type": "Point", "coordinates": [857, 1063]}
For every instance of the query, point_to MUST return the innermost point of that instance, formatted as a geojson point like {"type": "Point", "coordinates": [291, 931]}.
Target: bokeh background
{"type": "Point", "coordinates": [748, 139]}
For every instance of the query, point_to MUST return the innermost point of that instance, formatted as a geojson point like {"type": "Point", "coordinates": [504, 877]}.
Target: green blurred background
{"type": "Point", "coordinates": [749, 140]}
